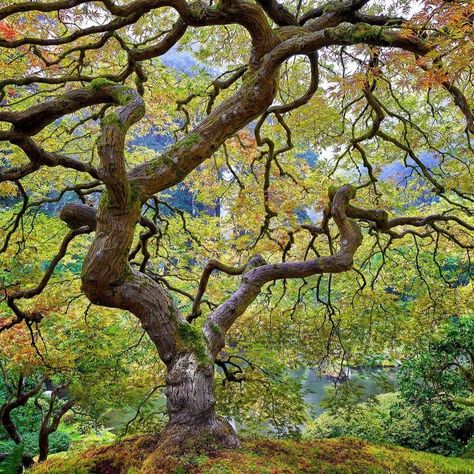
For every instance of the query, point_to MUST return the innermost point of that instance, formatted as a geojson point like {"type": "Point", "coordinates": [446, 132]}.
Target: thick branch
{"type": "Point", "coordinates": [32, 120]}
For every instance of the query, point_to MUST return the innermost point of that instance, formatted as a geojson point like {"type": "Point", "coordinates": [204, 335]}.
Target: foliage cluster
{"type": "Point", "coordinates": [389, 419]}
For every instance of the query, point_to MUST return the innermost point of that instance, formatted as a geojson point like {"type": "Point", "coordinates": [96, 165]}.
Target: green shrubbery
{"type": "Point", "coordinates": [389, 419]}
{"type": "Point", "coordinates": [434, 408]}
{"type": "Point", "coordinates": [58, 442]}
{"type": "Point", "coordinates": [443, 370]}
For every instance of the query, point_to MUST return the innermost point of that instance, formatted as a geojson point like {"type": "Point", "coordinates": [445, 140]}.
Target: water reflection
{"type": "Point", "coordinates": [373, 381]}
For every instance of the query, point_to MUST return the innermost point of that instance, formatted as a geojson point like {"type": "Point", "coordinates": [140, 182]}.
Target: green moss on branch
{"type": "Point", "coordinates": [96, 84]}
{"type": "Point", "coordinates": [192, 339]}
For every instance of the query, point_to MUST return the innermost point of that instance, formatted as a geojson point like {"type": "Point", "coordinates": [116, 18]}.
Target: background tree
{"type": "Point", "coordinates": [443, 371]}
{"type": "Point", "coordinates": [376, 84]}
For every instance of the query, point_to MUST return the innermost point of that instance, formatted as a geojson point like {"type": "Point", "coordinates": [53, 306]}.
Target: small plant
{"type": "Point", "coordinates": [13, 462]}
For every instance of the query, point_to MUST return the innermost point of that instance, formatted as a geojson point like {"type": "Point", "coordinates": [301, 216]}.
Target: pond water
{"type": "Point", "coordinates": [373, 381]}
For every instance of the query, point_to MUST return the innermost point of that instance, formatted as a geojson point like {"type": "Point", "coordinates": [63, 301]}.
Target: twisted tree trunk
{"type": "Point", "coordinates": [191, 404]}
{"type": "Point", "coordinates": [108, 279]}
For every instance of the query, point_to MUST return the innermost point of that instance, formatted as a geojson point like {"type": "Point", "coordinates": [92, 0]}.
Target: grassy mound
{"type": "Point", "coordinates": [341, 455]}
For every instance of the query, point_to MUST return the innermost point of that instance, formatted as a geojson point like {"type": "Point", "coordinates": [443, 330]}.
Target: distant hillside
{"type": "Point", "coordinates": [341, 455]}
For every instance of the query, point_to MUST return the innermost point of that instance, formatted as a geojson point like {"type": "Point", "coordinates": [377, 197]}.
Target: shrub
{"type": "Point", "coordinates": [58, 442]}
{"type": "Point", "coordinates": [389, 419]}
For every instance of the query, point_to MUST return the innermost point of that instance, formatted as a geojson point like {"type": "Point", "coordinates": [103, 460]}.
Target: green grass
{"type": "Point", "coordinates": [328, 456]}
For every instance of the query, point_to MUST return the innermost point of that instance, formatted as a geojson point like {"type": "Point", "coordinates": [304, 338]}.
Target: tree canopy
{"type": "Point", "coordinates": [253, 185]}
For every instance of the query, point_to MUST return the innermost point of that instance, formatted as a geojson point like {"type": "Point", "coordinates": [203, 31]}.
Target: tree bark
{"type": "Point", "coordinates": [191, 406]}
{"type": "Point", "coordinates": [43, 444]}
{"type": "Point", "coordinates": [10, 427]}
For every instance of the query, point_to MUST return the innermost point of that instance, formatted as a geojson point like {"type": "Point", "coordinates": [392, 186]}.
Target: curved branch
{"type": "Point", "coordinates": [306, 97]}
{"type": "Point", "coordinates": [208, 269]}
{"type": "Point", "coordinates": [32, 292]}
{"type": "Point", "coordinates": [225, 315]}
{"type": "Point", "coordinates": [18, 217]}
{"type": "Point", "coordinates": [278, 13]}
{"type": "Point", "coordinates": [171, 38]}
{"type": "Point", "coordinates": [39, 7]}
{"type": "Point", "coordinates": [38, 157]}
{"type": "Point", "coordinates": [32, 120]}
{"type": "Point", "coordinates": [34, 316]}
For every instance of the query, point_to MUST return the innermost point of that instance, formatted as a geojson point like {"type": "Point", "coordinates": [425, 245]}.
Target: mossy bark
{"type": "Point", "coordinates": [109, 280]}
{"type": "Point", "coordinates": [191, 407]}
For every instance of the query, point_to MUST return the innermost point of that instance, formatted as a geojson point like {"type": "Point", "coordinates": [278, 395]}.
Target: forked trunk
{"type": "Point", "coordinates": [191, 407]}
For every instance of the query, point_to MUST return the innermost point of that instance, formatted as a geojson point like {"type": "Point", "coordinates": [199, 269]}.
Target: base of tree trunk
{"type": "Point", "coordinates": [217, 432]}
{"type": "Point", "coordinates": [177, 439]}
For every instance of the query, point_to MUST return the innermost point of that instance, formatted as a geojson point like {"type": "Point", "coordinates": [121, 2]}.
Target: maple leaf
{"type": "Point", "coordinates": [6, 31]}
